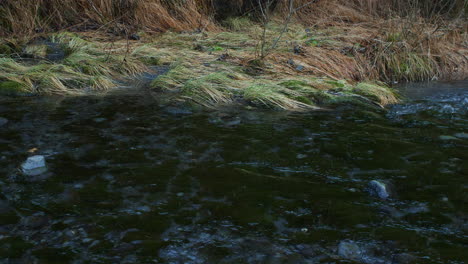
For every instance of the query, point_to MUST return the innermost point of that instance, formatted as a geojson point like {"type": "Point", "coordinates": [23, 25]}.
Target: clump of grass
{"type": "Point", "coordinates": [274, 96]}
{"type": "Point", "coordinates": [210, 90]}
{"type": "Point", "coordinates": [86, 67]}
{"type": "Point", "coordinates": [101, 83]}
{"type": "Point", "coordinates": [45, 78]}
{"type": "Point", "coordinates": [400, 62]}
{"type": "Point", "coordinates": [91, 59]}
{"type": "Point", "coordinates": [39, 51]}
{"type": "Point", "coordinates": [148, 55]}
{"type": "Point", "coordinates": [70, 42]}
{"type": "Point", "coordinates": [377, 93]}
{"type": "Point", "coordinates": [313, 90]}
{"type": "Point", "coordinates": [174, 78]}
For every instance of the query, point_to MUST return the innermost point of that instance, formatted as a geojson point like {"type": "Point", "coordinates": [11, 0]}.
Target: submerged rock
{"type": "Point", "coordinates": [34, 166]}
{"type": "Point", "coordinates": [380, 189]}
{"type": "Point", "coordinates": [349, 250]}
{"type": "Point", "coordinates": [3, 121]}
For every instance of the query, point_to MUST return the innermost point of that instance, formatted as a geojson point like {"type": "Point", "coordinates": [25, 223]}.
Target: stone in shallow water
{"type": "Point", "coordinates": [349, 250]}
{"type": "Point", "coordinates": [34, 166]}
{"type": "Point", "coordinates": [379, 189]}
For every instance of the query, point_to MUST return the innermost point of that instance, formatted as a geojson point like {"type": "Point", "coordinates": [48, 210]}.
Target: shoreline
{"type": "Point", "coordinates": [309, 70]}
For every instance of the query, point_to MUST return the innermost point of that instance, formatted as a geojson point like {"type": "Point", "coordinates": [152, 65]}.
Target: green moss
{"type": "Point", "coordinates": [338, 84]}
{"type": "Point", "coordinates": [304, 100]}
{"type": "Point", "coordinates": [217, 48]}
{"type": "Point", "coordinates": [377, 93]}
{"type": "Point", "coordinates": [295, 84]}
{"type": "Point", "coordinates": [13, 88]}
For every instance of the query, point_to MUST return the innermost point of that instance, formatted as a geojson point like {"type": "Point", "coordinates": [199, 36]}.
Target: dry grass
{"type": "Point", "coordinates": [330, 40]}
{"type": "Point", "coordinates": [27, 17]}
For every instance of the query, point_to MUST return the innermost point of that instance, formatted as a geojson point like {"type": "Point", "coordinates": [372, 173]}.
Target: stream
{"type": "Point", "coordinates": [135, 178]}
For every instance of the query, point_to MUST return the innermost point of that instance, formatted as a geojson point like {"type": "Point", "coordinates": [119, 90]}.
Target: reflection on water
{"type": "Point", "coordinates": [134, 180]}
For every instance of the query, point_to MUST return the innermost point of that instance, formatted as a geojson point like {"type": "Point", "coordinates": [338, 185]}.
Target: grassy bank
{"type": "Point", "coordinates": [331, 52]}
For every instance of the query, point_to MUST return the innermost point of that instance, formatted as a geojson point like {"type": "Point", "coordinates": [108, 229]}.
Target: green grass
{"type": "Point", "coordinates": [86, 67]}
{"type": "Point", "coordinates": [274, 96]}
{"type": "Point", "coordinates": [377, 93]}
{"type": "Point", "coordinates": [175, 78]}
{"type": "Point", "coordinates": [210, 90]}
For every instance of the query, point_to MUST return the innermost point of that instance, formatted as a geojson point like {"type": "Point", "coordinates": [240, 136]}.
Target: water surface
{"type": "Point", "coordinates": [134, 178]}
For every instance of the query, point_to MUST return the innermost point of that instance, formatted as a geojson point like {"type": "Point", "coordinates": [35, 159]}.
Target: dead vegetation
{"type": "Point", "coordinates": [328, 51]}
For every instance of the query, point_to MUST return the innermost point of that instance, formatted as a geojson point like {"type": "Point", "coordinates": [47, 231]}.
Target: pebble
{"type": "Point", "coordinates": [379, 189]}
{"type": "Point", "coordinates": [299, 68]}
{"type": "Point", "coordinates": [34, 166]}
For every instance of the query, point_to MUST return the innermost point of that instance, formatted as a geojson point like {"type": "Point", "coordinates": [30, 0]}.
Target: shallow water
{"type": "Point", "coordinates": [135, 179]}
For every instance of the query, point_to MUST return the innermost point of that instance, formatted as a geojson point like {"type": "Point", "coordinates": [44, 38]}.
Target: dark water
{"type": "Point", "coordinates": [134, 180]}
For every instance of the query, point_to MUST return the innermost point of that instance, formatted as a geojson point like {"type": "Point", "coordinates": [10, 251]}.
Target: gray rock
{"type": "Point", "coordinates": [34, 166]}
{"type": "Point", "coordinates": [3, 121]}
{"type": "Point", "coordinates": [349, 250]}
{"type": "Point", "coordinates": [379, 189]}
{"type": "Point", "coordinates": [299, 68]}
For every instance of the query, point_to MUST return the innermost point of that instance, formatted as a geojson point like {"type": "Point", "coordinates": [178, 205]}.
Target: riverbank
{"type": "Point", "coordinates": [305, 67]}
{"type": "Point", "coordinates": [207, 68]}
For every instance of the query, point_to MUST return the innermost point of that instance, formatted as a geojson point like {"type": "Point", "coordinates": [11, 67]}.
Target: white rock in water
{"type": "Point", "coordinates": [379, 189]}
{"type": "Point", "coordinates": [349, 250]}
{"type": "Point", "coordinates": [34, 165]}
